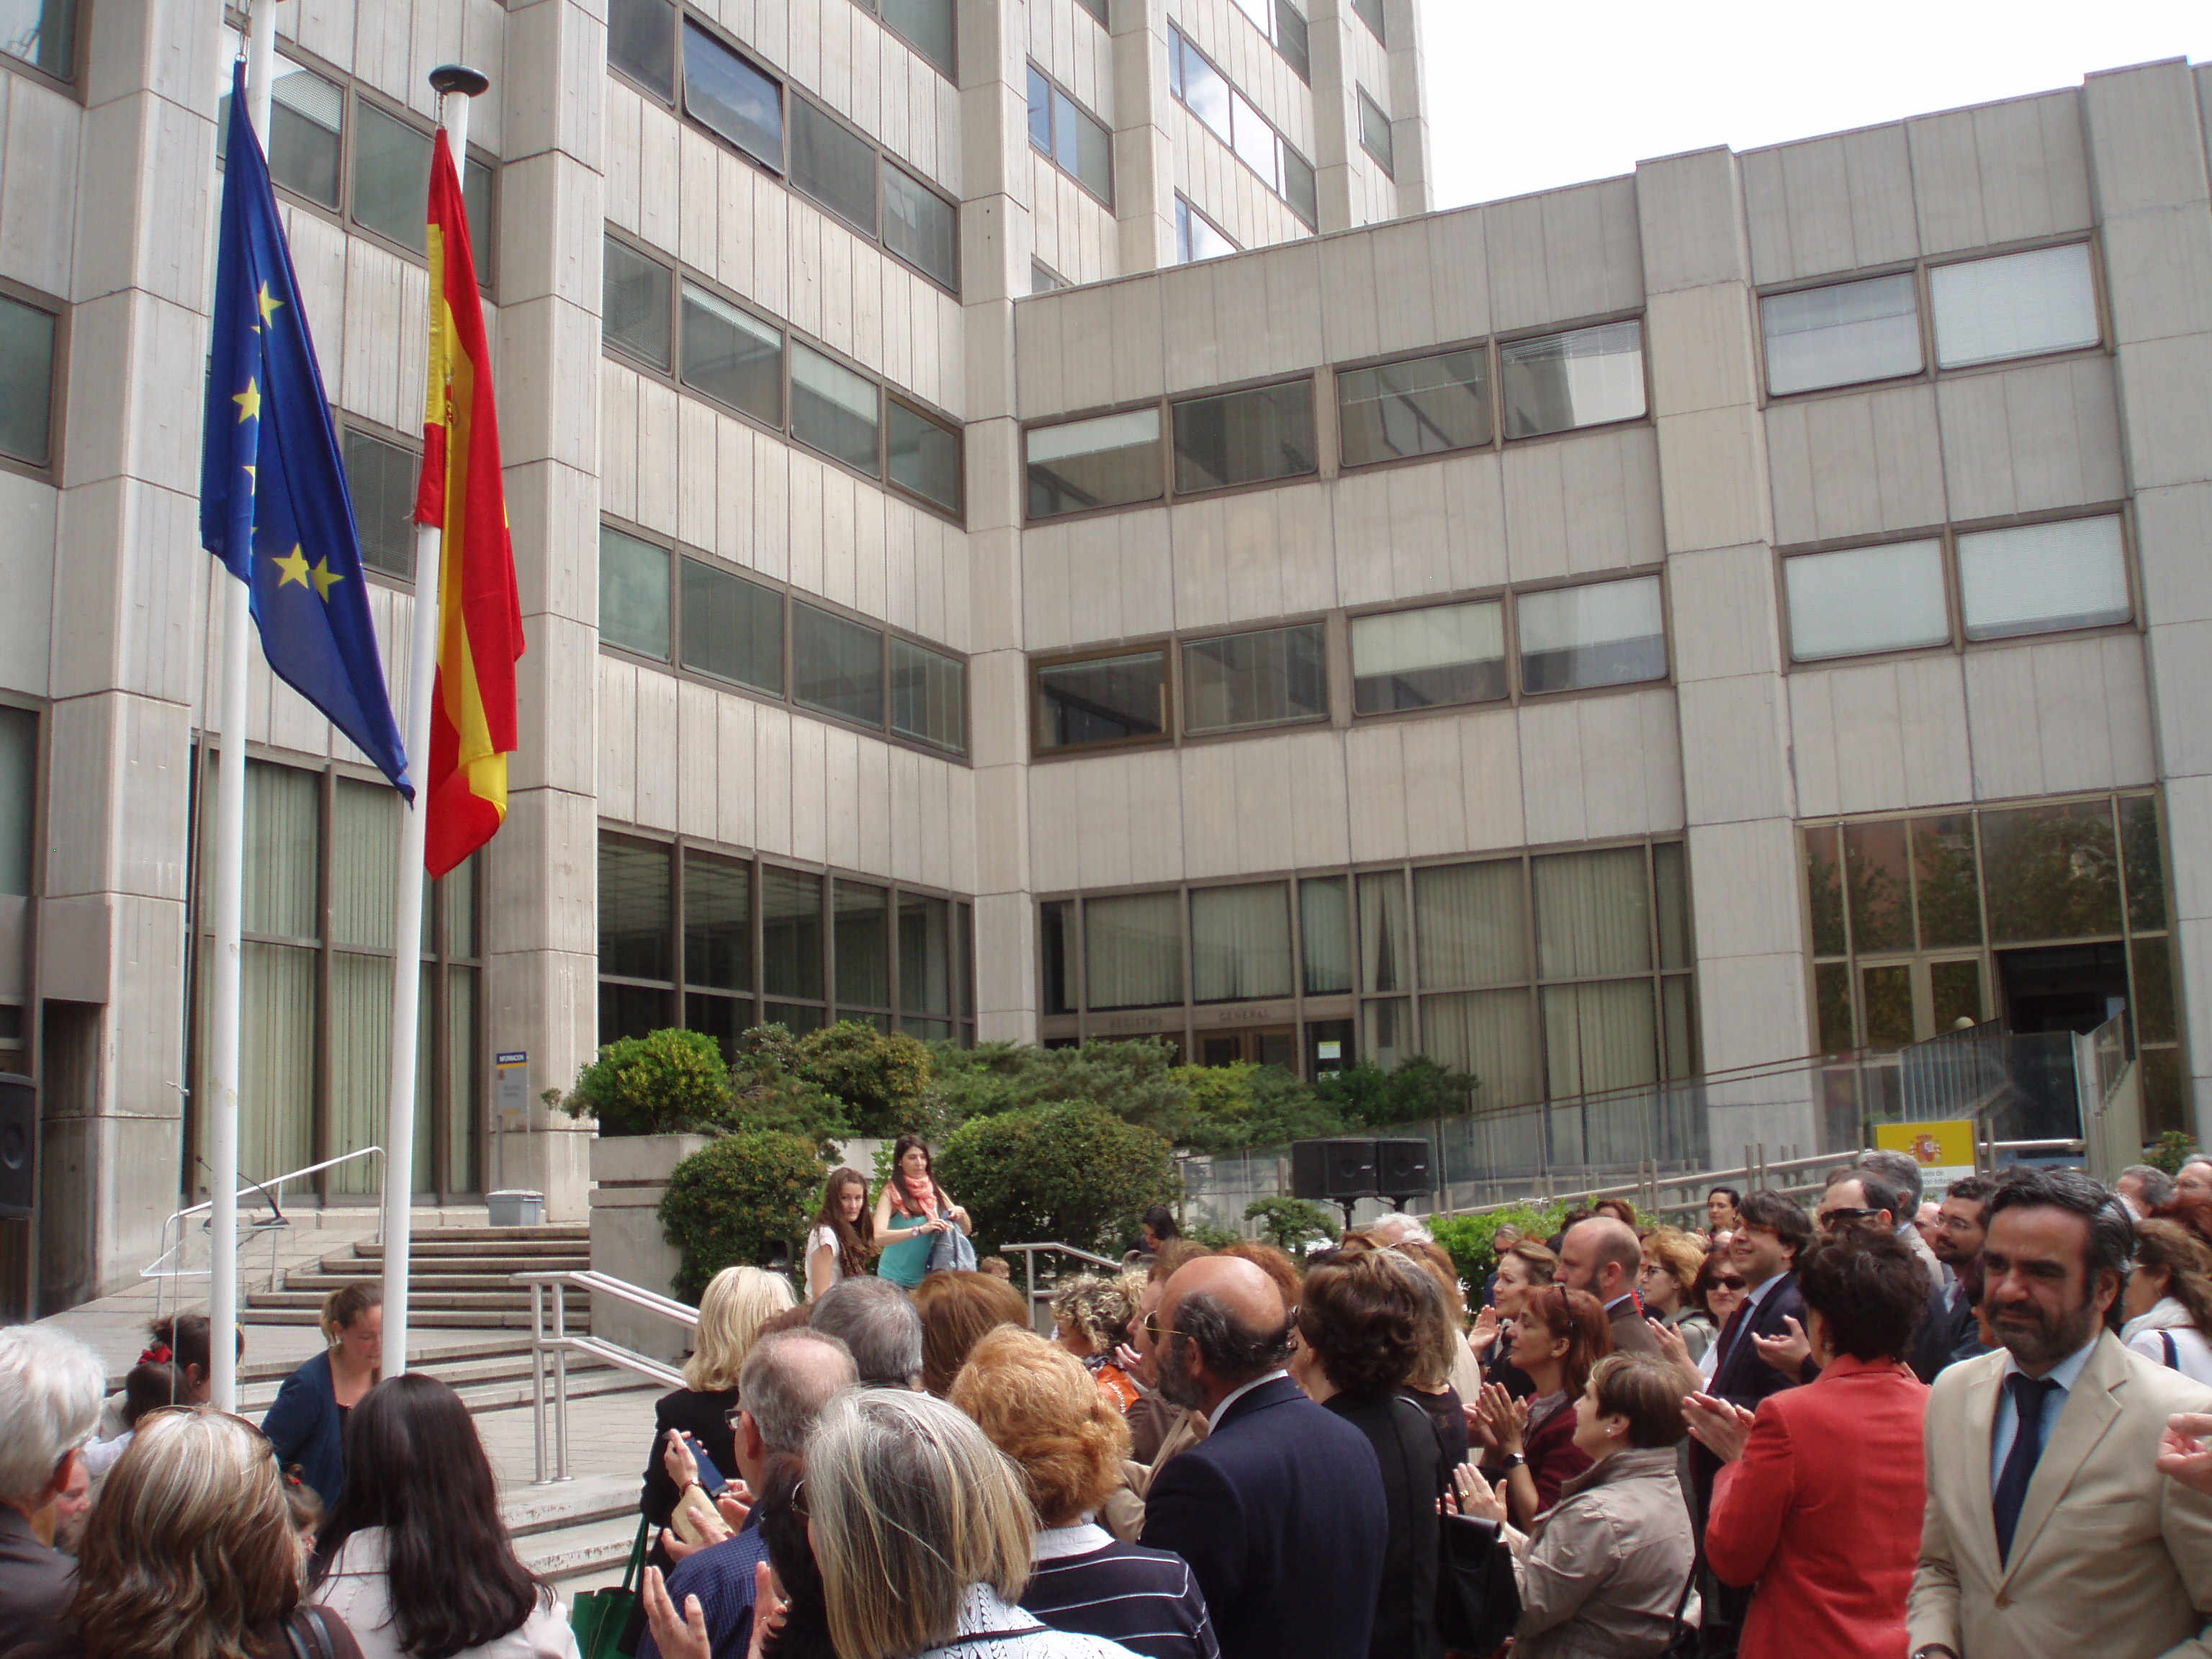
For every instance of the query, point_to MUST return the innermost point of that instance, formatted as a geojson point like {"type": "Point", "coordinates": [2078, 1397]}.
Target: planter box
{"type": "Point", "coordinates": [629, 1173]}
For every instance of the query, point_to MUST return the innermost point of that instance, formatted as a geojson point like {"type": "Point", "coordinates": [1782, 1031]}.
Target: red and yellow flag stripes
{"type": "Point", "coordinates": [472, 722]}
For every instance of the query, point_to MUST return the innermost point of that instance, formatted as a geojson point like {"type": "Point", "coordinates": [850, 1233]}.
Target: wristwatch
{"type": "Point", "coordinates": [1933, 1651]}
{"type": "Point", "coordinates": [1519, 1461]}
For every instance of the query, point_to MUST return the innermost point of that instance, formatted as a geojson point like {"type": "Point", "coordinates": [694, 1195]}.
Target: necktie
{"type": "Point", "coordinates": [2028, 1395]}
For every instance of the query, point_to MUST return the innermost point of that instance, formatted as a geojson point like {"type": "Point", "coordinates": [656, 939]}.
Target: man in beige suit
{"type": "Point", "coordinates": [2050, 1532]}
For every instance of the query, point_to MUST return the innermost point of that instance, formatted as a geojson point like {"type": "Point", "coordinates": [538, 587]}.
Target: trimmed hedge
{"type": "Point", "coordinates": [1068, 1174]}
{"type": "Point", "coordinates": [734, 1203]}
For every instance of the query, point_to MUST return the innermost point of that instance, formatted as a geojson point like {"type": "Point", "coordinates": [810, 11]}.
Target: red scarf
{"type": "Point", "coordinates": [908, 1204]}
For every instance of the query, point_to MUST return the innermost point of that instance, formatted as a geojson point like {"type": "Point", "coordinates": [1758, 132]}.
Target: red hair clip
{"type": "Point", "coordinates": [158, 1354]}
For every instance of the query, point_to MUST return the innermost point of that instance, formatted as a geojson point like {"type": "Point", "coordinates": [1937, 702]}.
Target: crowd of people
{"type": "Point", "coordinates": [1969, 1428]}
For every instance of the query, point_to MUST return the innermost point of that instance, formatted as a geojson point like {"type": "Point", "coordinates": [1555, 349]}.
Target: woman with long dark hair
{"type": "Point", "coordinates": [837, 1248]}
{"type": "Point", "coordinates": [911, 1210]}
{"type": "Point", "coordinates": [414, 1557]}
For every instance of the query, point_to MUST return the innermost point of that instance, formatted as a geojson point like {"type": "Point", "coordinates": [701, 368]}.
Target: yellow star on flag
{"type": "Point", "coordinates": [294, 568]}
{"type": "Point", "coordinates": [325, 578]}
{"type": "Point", "coordinates": [249, 402]}
{"type": "Point", "coordinates": [268, 305]}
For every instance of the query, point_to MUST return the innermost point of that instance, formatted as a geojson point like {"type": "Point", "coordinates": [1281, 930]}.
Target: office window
{"type": "Point", "coordinates": [1272, 677]}
{"type": "Point", "coordinates": [26, 381]}
{"type": "Point", "coordinates": [1867, 599]}
{"type": "Point", "coordinates": [1370, 12]}
{"type": "Point", "coordinates": [927, 27]}
{"type": "Point", "coordinates": [1044, 279]}
{"type": "Point", "coordinates": [1200, 86]}
{"type": "Point", "coordinates": [306, 115]}
{"type": "Point", "coordinates": [832, 408]}
{"type": "Point", "coordinates": [42, 34]}
{"type": "Point", "coordinates": [391, 176]}
{"type": "Point", "coordinates": [1427, 659]}
{"type": "Point", "coordinates": [835, 166]}
{"type": "Point", "coordinates": [1375, 133]}
{"type": "Point", "coordinates": [731, 356]}
{"type": "Point", "coordinates": [790, 944]}
{"type": "Point", "coordinates": [1255, 141]}
{"type": "Point", "coordinates": [634, 299]}
{"type": "Point", "coordinates": [1105, 700]}
{"type": "Point", "coordinates": [922, 227]}
{"type": "Point", "coordinates": [1299, 188]}
{"type": "Point", "coordinates": [2043, 577]}
{"type": "Point", "coordinates": [18, 807]}
{"type": "Point", "coordinates": [1604, 633]}
{"type": "Point", "coordinates": [1284, 25]}
{"type": "Point", "coordinates": [1245, 437]}
{"type": "Point", "coordinates": [1325, 931]}
{"type": "Point", "coordinates": [1197, 237]}
{"type": "Point", "coordinates": [836, 666]}
{"type": "Point", "coordinates": [1095, 8]}
{"type": "Point", "coordinates": [927, 957]}
{"type": "Point", "coordinates": [641, 42]}
{"type": "Point", "coordinates": [2017, 306]}
{"type": "Point", "coordinates": [1133, 950]}
{"type": "Point", "coordinates": [718, 939]}
{"type": "Point", "coordinates": [1109, 461]}
{"type": "Point", "coordinates": [733, 627]}
{"type": "Point", "coordinates": [1233, 119]}
{"type": "Point", "coordinates": [381, 477]}
{"type": "Point", "coordinates": [633, 593]}
{"type": "Point", "coordinates": [1240, 943]}
{"type": "Point", "coordinates": [1585, 377]}
{"type": "Point", "coordinates": [1842, 334]}
{"type": "Point", "coordinates": [1077, 144]}
{"type": "Point", "coordinates": [1425, 406]}
{"type": "Point", "coordinates": [924, 455]}
{"type": "Point", "coordinates": [860, 942]}
{"type": "Point", "coordinates": [929, 696]}
{"type": "Point", "coordinates": [732, 97]}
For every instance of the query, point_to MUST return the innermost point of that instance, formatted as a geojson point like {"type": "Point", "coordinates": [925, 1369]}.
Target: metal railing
{"type": "Point", "coordinates": [1028, 1255]}
{"type": "Point", "coordinates": [560, 1342]}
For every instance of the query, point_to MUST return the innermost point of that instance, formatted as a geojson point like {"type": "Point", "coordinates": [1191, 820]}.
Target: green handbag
{"type": "Point", "coordinates": [600, 1617]}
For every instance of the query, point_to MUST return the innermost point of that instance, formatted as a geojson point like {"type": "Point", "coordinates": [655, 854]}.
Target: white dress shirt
{"type": "Point", "coordinates": [1213, 1418]}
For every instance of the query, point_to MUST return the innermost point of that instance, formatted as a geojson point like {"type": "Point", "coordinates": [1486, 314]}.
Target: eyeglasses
{"type": "Point", "coordinates": [1729, 1282]}
{"type": "Point", "coordinates": [1154, 1330]}
{"type": "Point", "coordinates": [1829, 1219]}
{"type": "Point", "coordinates": [798, 1499]}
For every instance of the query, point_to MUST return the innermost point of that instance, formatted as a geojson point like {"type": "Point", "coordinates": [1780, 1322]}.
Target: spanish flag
{"type": "Point", "coordinates": [472, 723]}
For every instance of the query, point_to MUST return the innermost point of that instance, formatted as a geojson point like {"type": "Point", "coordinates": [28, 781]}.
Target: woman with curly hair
{"type": "Point", "coordinates": [1364, 1321]}
{"type": "Point", "coordinates": [1093, 1317]}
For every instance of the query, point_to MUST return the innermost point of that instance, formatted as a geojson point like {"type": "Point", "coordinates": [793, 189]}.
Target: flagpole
{"type": "Point", "coordinates": [455, 86]}
{"type": "Point", "coordinates": [230, 876]}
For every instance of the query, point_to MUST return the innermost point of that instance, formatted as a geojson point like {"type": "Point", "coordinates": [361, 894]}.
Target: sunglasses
{"type": "Point", "coordinates": [1729, 1282]}
{"type": "Point", "coordinates": [1829, 1219]}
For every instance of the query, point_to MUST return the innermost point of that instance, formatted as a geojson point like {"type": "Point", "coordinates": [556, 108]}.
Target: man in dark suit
{"type": "Point", "coordinates": [1954, 1329]}
{"type": "Point", "coordinates": [1771, 1232]}
{"type": "Point", "coordinates": [1279, 1510]}
{"type": "Point", "coordinates": [1601, 1256]}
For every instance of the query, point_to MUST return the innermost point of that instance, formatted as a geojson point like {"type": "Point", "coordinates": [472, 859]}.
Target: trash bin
{"type": "Point", "coordinates": [516, 1208]}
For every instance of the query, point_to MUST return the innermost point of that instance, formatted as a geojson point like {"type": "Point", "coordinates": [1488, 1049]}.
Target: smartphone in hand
{"type": "Point", "coordinates": [711, 1479]}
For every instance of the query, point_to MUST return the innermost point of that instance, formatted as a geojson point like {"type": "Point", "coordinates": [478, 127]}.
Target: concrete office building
{"type": "Point", "coordinates": [1028, 529]}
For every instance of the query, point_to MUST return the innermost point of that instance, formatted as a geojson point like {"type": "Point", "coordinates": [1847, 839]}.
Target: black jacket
{"type": "Point", "coordinates": [36, 1587]}
{"type": "Point", "coordinates": [1415, 1475]}
{"type": "Point", "coordinates": [704, 1417]}
{"type": "Point", "coordinates": [1742, 1377]}
{"type": "Point", "coordinates": [1280, 1512]}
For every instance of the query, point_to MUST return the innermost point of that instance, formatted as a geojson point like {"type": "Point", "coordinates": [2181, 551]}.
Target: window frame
{"type": "Point", "coordinates": [1163, 646]}
{"type": "Point", "coordinates": [345, 421]}
{"type": "Point", "coordinates": [1187, 211]}
{"type": "Point", "coordinates": [1112, 166]}
{"type": "Point", "coordinates": [1386, 158]}
{"type": "Point", "coordinates": [72, 85]}
{"type": "Point", "coordinates": [50, 470]}
{"type": "Point", "coordinates": [788, 595]}
{"type": "Point", "coordinates": [950, 75]}
{"type": "Point", "coordinates": [1179, 41]}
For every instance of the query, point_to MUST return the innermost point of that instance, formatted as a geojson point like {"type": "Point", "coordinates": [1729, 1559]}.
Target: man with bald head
{"type": "Point", "coordinates": [1279, 1509]}
{"type": "Point", "coordinates": [1601, 1256]}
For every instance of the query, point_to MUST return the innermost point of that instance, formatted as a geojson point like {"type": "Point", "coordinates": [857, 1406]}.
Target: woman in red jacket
{"type": "Point", "coordinates": [1819, 1500]}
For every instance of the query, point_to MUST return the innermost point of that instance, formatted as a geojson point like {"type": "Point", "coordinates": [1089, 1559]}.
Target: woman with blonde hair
{"type": "Point", "coordinates": [306, 1421]}
{"type": "Point", "coordinates": [922, 1530]}
{"type": "Point", "coordinates": [738, 1303]}
{"type": "Point", "coordinates": [2168, 1301]}
{"type": "Point", "coordinates": [1668, 1283]}
{"type": "Point", "coordinates": [189, 1554]}
{"type": "Point", "coordinates": [1036, 1403]}
{"type": "Point", "coordinates": [1092, 1316]}
{"type": "Point", "coordinates": [959, 1309]}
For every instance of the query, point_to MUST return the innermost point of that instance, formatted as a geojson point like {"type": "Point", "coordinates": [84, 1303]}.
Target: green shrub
{"type": "Point", "coordinates": [2170, 1150]}
{"type": "Point", "coordinates": [1468, 1237]}
{"type": "Point", "coordinates": [1136, 1081]}
{"type": "Point", "coordinates": [1367, 1096]}
{"type": "Point", "coordinates": [666, 1082]}
{"type": "Point", "coordinates": [1066, 1174]}
{"type": "Point", "coordinates": [768, 1092]}
{"type": "Point", "coordinates": [882, 1078]}
{"type": "Point", "coordinates": [1227, 1108]}
{"type": "Point", "coordinates": [1206, 1233]}
{"type": "Point", "coordinates": [1290, 1224]}
{"type": "Point", "coordinates": [733, 1204]}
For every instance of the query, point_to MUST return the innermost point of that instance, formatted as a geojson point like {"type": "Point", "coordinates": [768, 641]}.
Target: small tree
{"type": "Point", "coordinates": [882, 1078]}
{"type": "Point", "coordinates": [2170, 1150]}
{"type": "Point", "coordinates": [1367, 1096]}
{"type": "Point", "coordinates": [1290, 1224]}
{"type": "Point", "coordinates": [733, 1203]}
{"type": "Point", "coordinates": [1071, 1174]}
{"type": "Point", "coordinates": [666, 1082]}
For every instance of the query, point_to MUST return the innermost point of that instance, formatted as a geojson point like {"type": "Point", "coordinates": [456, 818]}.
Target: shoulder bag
{"type": "Point", "coordinates": [1478, 1599]}
{"type": "Point", "coordinates": [600, 1617]}
{"type": "Point", "coordinates": [314, 1631]}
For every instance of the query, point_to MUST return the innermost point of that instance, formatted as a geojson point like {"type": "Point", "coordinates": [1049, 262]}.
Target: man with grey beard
{"type": "Point", "coordinates": [2049, 1531]}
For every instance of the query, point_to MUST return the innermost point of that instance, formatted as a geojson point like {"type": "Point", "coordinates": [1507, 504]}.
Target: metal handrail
{"type": "Point", "coordinates": [560, 1343]}
{"type": "Point", "coordinates": [1029, 1253]}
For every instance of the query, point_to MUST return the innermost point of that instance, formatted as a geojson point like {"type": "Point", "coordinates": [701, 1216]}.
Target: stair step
{"type": "Point", "coordinates": [488, 1301]}
{"type": "Point", "coordinates": [433, 1237]}
{"type": "Point", "coordinates": [502, 1243]}
{"type": "Point", "coordinates": [491, 1278]}
{"type": "Point", "coordinates": [532, 1511]}
{"type": "Point", "coordinates": [418, 1317]}
{"type": "Point", "coordinates": [489, 1386]}
{"type": "Point", "coordinates": [601, 1546]}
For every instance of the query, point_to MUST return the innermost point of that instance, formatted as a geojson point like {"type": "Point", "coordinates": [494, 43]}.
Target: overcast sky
{"type": "Point", "coordinates": [1525, 97]}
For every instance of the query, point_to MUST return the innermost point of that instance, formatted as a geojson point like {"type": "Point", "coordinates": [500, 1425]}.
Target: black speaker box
{"type": "Point", "coordinates": [19, 1129]}
{"type": "Point", "coordinates": [1401, 1169]}
{"type": "Point", "coordinates": [1332, 1169]}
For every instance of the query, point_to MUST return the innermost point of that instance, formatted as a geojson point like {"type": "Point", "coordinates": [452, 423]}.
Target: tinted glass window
{"type": "Point", "coordinates": [40, 31]}
{"type": "Point", "coordinates": [2044, 576]}
{"type": "Point", "coordinates": [1586, 378]}
{"type": "Point", "coordinates": [733, 627]}
{"type": "Point", "coordinates": [791, 933]}
{"type": "Point", "coordinates": [1370, 12]}
{"type": "Point", "coordinates": [1196, 237]}
{"type": "Point", "coordinates": [1242, 437]}
{"type": "Point", "coordinates": [635, 304]}
{"type": "Point", "coordinates": [922, 227]}
{"type": "Point", "coordinates": [1446, 653]}
{"type": "Point", "coordinates": [1375, 132]}
{"type": "Point", "coordinates": [1039, 110]}
{"type": "Point", "coordinates": [641, 41]}
{"type": "Point", "coordinates": [304, 114]}
{"type": "Point", "coordinates": [1841, 335]}
{"type": "Point", "coordinates": [1266, 679]}
{"type": "Point", "coordinates": [832, 408]}
{"type": "Point", "coordinates": [27, 381]}
{"type": "Point", "coordinates": [1104, 701]}
{"type": "Point", "coordinates": [1867, 599]}
{"type": "Point", "coordinates": [391, 176]}
{"type": "Point", "coordinates": [1107, 462]}
{"type": "Point", "coordinates": [732, 97]}
{"type": "Point", "coordinates": [836, 666]}
{"type": "Point", "coordinates": [1290, 39]}
{"type": "Point", "coordinates": [1199, 85]}
{"type": "Point", "coordinates": [1298, 186]}
{"type": "Point", "coordinates": [924, 455]}
{"type": "Point", "coordinates": [1607, 634]}
{"type": "Point", "coordinates": [380, 477]}
{"type": "Point", "coordinates": [633, 593]}
{"type": "Point", "coordinates": [718, 934]}
{"type": "Point", "coordinates": [733, 355]}
{"type": "Point", "coordinates": [926, 26]}
{"type": "Point", "coordinates": [1424, 407]}
{"type": "Point", "coordinates": [833, 166]}
{"type": "Point", "coordinates": [929, 696]}
{"type": "Point", "coordinates": [634, 909]}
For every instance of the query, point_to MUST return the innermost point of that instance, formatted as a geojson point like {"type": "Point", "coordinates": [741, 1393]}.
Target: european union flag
{"type": "Point", "coordinates": [273, 501]}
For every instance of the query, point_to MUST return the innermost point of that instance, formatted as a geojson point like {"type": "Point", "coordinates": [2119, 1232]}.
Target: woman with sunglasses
{"type": "Point", "coordinates": [1561, 1334]}
{"type": "Point", "coordinates": [1720, 1290]}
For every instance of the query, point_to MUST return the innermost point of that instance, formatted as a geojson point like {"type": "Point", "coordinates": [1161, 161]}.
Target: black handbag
{"type": "Point", "coordinates": [1478, 1599]}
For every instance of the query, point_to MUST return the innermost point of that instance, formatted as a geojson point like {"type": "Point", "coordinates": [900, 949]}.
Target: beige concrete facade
{"type": "Point", "coordinates": [107, 191]}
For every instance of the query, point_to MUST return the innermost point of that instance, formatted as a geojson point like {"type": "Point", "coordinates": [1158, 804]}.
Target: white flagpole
{"type": "Point", "coordinates": [455, 86]}
{"type": "Point", "coordinates": [230, 875]}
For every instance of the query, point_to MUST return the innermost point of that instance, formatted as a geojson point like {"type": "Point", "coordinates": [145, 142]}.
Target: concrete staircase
{"type": "Point", "coordinates": [457, 1278]}
{"type": "Point", "coordinates": [575, 1535]}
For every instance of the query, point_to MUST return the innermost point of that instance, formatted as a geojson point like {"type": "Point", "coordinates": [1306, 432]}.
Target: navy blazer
{"type": "Point", "coordinates": [1281, 1514]}
{"type": "Point", "coordinates": [1742, 1377]}
{"type": "Point", "coordinates": [305, 1427]}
